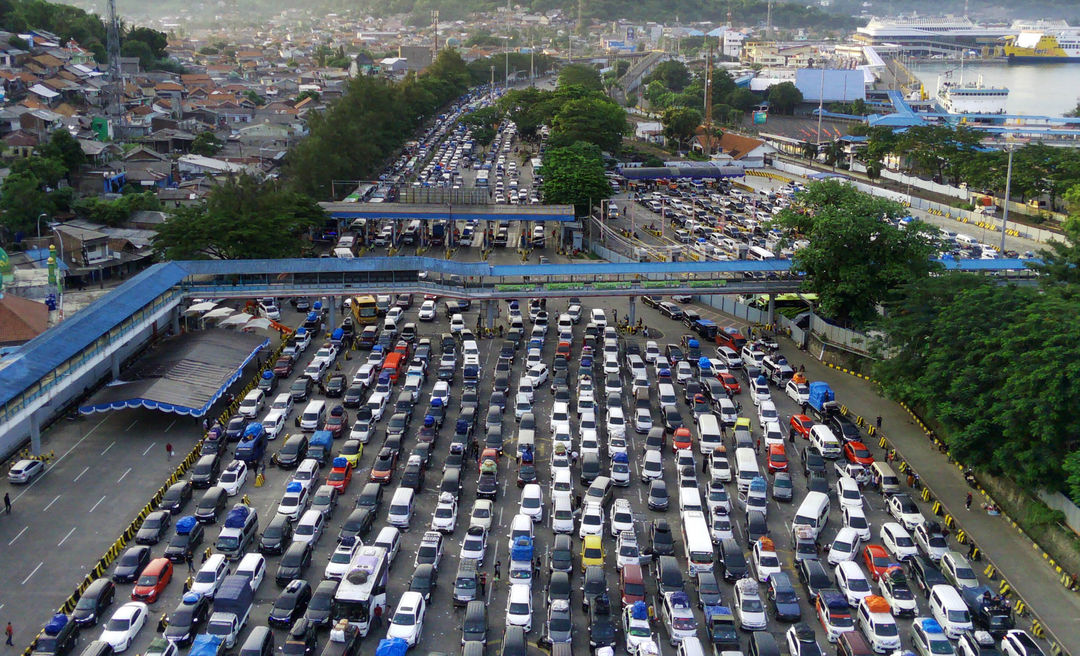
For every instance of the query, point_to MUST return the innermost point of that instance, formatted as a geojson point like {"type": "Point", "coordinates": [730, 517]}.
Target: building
{"type": "Point", "coordinates": [417, 58]}
{"type": "Point", "coordinates": [831, 85]}
{"type": "Point", "coordinates": [21, 319]}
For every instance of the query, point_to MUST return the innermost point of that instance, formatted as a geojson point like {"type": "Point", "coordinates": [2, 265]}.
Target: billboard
{"type": "Point", "coordinates": [760, 117]}
{"type": "Point", "coordinates": [831, 84]}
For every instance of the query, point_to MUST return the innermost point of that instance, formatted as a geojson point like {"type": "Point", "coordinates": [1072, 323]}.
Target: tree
{"type": "Point", "coordinates": [595, 120]}
{"type": "Point", "coordinates": [741, 99]}
{"type": "Point", "coordinates": [580, 75]}
{"type": "Point", "coordinates": [574, 175]}
{"type": "Point", "coordinates": [1075, 112]}
{"type": "Point", "coordinates": [784, 97]}
{"type": "Point", "coordinates": [854, 259]}
{"type": "Point", "coordinates": [1060, 261]}
{"type": "Point", "coordinates": [138, 49]}
{"type": "Point", "coordinates": [155, 41]}
{"type": "Point", "coordinates": [66, 149]}
{"type": "Point", "coordinates": [672, 73]}
{"type": "Point", "coordinates": [484, 123]}
{"type": "Point", "coordinates": [680, 123]}
{"type": "Point", "coordinates": [242, 218]}
{"type": "Point", "coordinates": [207, 144]}
{"type": "Point", "coordinates": [22, 199]}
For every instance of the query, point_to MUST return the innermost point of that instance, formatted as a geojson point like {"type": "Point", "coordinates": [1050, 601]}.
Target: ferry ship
{"type": "Point", "coordinates": [971, 98]}
{"type": "Point", "coordinates": [1060, 45]}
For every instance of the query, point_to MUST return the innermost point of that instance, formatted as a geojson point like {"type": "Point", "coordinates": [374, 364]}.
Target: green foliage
{"type": "Point", "coordinates": [65, 149]}
{"type": "Point", "coordinates": [207, 144]}
{"type": "Point", "coordinates": [672, 73]}
{"type": "Point", "coordinates": [65, 21]}
{"type": "Point", "coordinates": [595, 120]}
{"type": "Point", "coordinates": [574, 175]}
{"type": "Point", "coordinates": [581, 75]}
{"type": "Point", "coordinates": [857, 108]}
{"type": "Point", "coordinates": [1060, 262]}
{"type": "Point", "coordinates": [1074, 112]}
{"type": "Point", "coordinates": [242, 218]}
{"type": "Point", "coordinates": [23, 199]}
{"type": "Point", "coordinates": [484, 123]}
{"type": "Point", "coordinates": [784, 97]}
{"type": "Point", "coordinates": [680, 123]}
{"type": "Point", "coordinates": [854, 260]}
{"type": "Point", "coordinates": [259, 100]}
{"type": "Point", "coordinates": [154, 40]}
{"type": "Point", "coordinates": [116, 212]}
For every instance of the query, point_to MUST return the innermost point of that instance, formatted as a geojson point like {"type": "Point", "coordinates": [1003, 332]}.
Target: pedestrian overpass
{"type": "Point", "coordinates": [45, 377]}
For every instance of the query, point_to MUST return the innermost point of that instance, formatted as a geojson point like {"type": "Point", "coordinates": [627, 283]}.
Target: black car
{"type": "Point", "coordinates": [290, 604]}
{"type": "Point", "coordinates": [212, 445]}
{"type": "Point", "coordinates": [784, 599]}
{"type": "Point", "coordinates": [318, 609]}
{"type": "Point", "coordinates": [235, 427]}
{"type": "Point", "coordinates": [292, 453]}
{"type": "Point", "coordinates": [336, 385]}
{"type": "Point", "coordinates": [358, 523]}
{"type": "Point", "coordinates": [708, 590]}
{"type": "Point", "coordinates": [668, 575]}
{"type": "Point", "coordinates": [674, 354]}
{"type": "Point", "coordinates": [182, 545]}
{"type": "Point", "coordinates": [294, 562]}
{"type": "Point", "coordinates": [187, 619]}
{"type": "Point", "coordinates": [662, 542]}
{"type": "Point", "coordinates": [924, 573]}
{"type": "Point", "coordinates": [276, 536]}
{"type": "Point", "coordinates": [353, 396]}
{"type": "Point", "coordinates": [593, 586]}
{"type": "Point", "coordinates": [370, 496]}
{"type": "Point", "coordinates": [658, 495]}
{"type": "Point", "coordinates": [301, 390]}
{"type": "Point", "coordinates": [602, 631]}
{"type": "Point", "coordinates": [562, 554]}
{"type": "Point", "coordinates": [154, 527]}
{"type": "Point", "coordinates": [817, 482]}
{"type": "Point", "coordinates": [670, 310]}
{"type": "Point", "coordinates": [651, 301]}
{"type": "Point", "coordinates": [844, 428]}
{"type": "Point", "coordinates": [130, 564]}
{"type": "Point", "coordinates": [423, 580]}
{"type": "Point", "coordinates": [413, 476]}
{"type": "Point", "coordinates": [733, 559]}
{"type": "Point", "coordinates": [672, 419]}
{"type": "Point", "coordinates": [558, 588]}
{"type": "Point", "coordinates": [93, 601]}
{"type": "Point", "coordinates": [303, 640]}
{"type": "Point", "coordinates": [812, 461]}
{"type": "Point", "coordinates": [812, 574]}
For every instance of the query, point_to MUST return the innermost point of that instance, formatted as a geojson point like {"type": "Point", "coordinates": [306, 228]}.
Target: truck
{"type": "Point", "coordinates": [232, 606]}
{"type": "Point", "coordinates": [321, 446]}
{"type": "Point", "coordinates": [252, 446]}
{"type": "Point", "coordinates": [822, 401]}
{"type": "Point", "coordinates": [438, 232]}
{"type": "Point", "coordinates": [988, 611]}
{"type": "Point", "coordinates": [58, 638]}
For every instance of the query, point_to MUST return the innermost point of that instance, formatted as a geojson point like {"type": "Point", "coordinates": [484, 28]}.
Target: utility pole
{"type": "Point", "coordinates": [506, 75]}
{"type": "Point", "coordinates": [435, 25]}
{"type": "Point", "coordinates": [708, 104]}
{"type": "Point", "coordinates": [532, 63]}
{"type": "Point", "coordinates": [768, 19]}
{"type": "Point", "coordinates": [116, 78]}
{"type": "Point", "coordinates": [1008, 188]}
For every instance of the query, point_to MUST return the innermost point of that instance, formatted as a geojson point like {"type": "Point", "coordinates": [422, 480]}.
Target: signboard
{"type": "Point", "coordinates": [629, 34]}
{"type": "Point", "coordinates": [759, 117]}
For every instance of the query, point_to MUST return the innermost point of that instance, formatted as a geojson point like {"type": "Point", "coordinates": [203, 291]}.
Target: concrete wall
{"type": "Point", "coordinates": [1059, 501]}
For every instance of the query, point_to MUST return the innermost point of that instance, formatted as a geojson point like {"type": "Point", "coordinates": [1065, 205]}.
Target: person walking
{"type": "Point", "coordinates": [967, 502]}
{"type": "Point", "coordinates": [483, 583]}
{"type": "Point", "coordinates": [9, 632]}
{"type": "Point", "coordinates": [536, 568]}
{"type": "Point", "coordinates": [498, 564]}
{"type": "Point", "coordinates": [168, 449]}
{"type": "Point", "coordinates": [877, 422]}
{"type": "Point", "coordinates": [7, 503]}
{"type": "Point", "coordinates": [190, 562]}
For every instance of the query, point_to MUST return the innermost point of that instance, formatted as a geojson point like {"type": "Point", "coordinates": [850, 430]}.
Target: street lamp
{"type": "Point", "coordinates": [41, 216]}
{"type": "Point", "coordinates": [1008, 185]}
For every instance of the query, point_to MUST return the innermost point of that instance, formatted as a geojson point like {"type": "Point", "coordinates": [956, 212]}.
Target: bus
{"type": "Point", "coordinates": [362, 591]}
{"type": "Point", "coordinates": [697, 542]}
{"type": "Point", "coordinates": [759, 253]}
{"type": "Point", "coordinates": [482, 178]}
{"type": "Point", "coordinates": [364, 311]}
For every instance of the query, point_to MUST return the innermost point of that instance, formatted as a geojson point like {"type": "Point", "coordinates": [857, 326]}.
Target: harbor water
{"type": "Point", "coordinates": [1034, 89]}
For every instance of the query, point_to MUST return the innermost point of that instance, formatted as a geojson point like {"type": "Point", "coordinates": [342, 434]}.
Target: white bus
{"type": "Point", "coordinates": [362, 591]}
{"type": "Point", "coordinates": [482, 178]}
{"type": "Point", "coordinates": [759, 253]}
{"type": "Point", "coordinates": [697, 542]}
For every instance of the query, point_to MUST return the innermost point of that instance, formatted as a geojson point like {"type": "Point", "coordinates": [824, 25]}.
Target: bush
{"type": "Point", "coordinates": [1042, 516]}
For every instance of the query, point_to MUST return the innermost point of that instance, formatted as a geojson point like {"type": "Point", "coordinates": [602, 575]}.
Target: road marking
{"type": "Point", "coordinates": [61, 542]}
{"type": "Point", "coordinates": [108, 447]}
{"type": "Point", "coordinates": [123, 475]}
{"type": "Point", "coordinates": [97, 504]}
{"type": "Point", "coordinates": [148, 448]}
{"type": "Point", "coordinates": [57, 461]}
{"type": "Point", "coordinates": [169, 426]}
{"type": "Point", "coordinates": [51, 503]}
{"type": "Point", "coordinates": [131, 425]}
{"type": "Point", "coordinates": [85, 469]}
{"type": "Point", "coordinates": [32, 573]}
{"type": "Point", "coordinates": [18, 536]}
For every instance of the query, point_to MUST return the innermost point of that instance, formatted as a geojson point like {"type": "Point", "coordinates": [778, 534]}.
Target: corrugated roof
{"type": "Point", "coordinates": [645, 268]}
{"type": "Point", "coordinates": [337, 265]}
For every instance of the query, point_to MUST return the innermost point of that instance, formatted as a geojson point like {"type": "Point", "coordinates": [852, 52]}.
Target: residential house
{"type": "Point", "coordinates": [21, 319]}
{"type": "Point", "coordinates": [41, 122]}
{"type": "Point", "coordinates": [20, 143]}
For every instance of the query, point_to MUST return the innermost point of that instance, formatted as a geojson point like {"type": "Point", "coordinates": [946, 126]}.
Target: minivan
{"type": "Point", "coordinates": [813, 512]}
{"type": "Point", "coordinates": [466, 583]}
{"type": "Point", "coordinates": [590, 467]}
{"type": "Point", "coordinates": [253, 567]}
{"type": "Point", "coordinates": [746, 468]}
{"type": "Point", "coordinates": [213, 501]}
{"type": "Point", "coordinates": [401, 507]}
{"type": "Point", "coordinates": [667, 396]}
{"type": "Point", "coordinates": [260, 642]}
{"type": "Point", "coordinates": [205, 471]}
{"type": "Point", "coordinates": [474, 624]}
{"type": "Point", "coordinates": [314, 416]}
{"type": "Point", "coordinates": [92, 603]}
{"type": "Point", "coordinates": [599, 491]}
{"type": "Point", "coordinates": [949, 609]}
{"type": "Point", "coordinates": [762, 643]}
{"type": "Point", "coordinates": [823, 440]}
{"type": "Point", "coordinates": [389, 538]}
{"type": "Point", "coordinates": [883, 476]}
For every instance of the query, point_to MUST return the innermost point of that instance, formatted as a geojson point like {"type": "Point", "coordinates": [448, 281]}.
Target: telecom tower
{"type": "Point", "coordinates": [435, 28]}
{"type": "Point", "coordinates": [708, 104]}
{"type": "Point", "coordinates": [115, 95]}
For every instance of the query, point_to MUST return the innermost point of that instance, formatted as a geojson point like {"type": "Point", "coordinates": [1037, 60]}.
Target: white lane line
{"type": "Point", "coordinates": [131, 425]}
{"type": "Point", "coordinates": [57, 461]}
{"type": "Point", "coordinates": [85, 469]}
{"type": "Point", "coordinates": [108, 447]}
{"type": "Point", "coordinates": [169, 426]}
{"type": "Point", "coordinates": [51, 503]}
{"type": "Point", "coordinates": [123, 475]}
{"type": "Point", "coordinates": [61, 542]}
{"type": "Point", "coordinates": [148, 448]}
{"type": "Point", "coordinates": [98, 503]}
{"type": "Point", "coordinates": [32, 573]}
{"type": "Point", "coordinates": [18, 536]}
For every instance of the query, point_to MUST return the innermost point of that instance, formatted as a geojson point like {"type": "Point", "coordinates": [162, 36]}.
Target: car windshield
{"type": "Point", "coordinates": [858, 585]}
{"type": "Point", "coordinates": [560, 623]}
{"type": "Point", "coordinates": [751, 605]}
{"type": "Point", "coordinates": [286, 602]}
{"type": "Point", "coordinates": [118, 624]}
{"type": "Point", "coordinates": [148, 579]}
{"type": "Point", "coordinates": [518, 608]}
{"type": "Point", "coordinates": [963, 573]}
{"type": "Point", "coordinates": [941, 647]}
{"type": "Point", "coordinates": [205, 576]}
{"type": "Point", "coordinates": [886, 629]}
{"type": "Point", "coordinates": [639, 631]}
{"type": "Point", "coordinates": [341, 557]}
{"type": "Point", "coordinates": [959, 616]}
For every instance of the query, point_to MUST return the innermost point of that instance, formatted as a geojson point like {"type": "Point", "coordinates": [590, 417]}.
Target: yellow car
{"type": "Point", "coordinates": [352, 450]}
{"type": "Point", "coordinates": [592, 551]}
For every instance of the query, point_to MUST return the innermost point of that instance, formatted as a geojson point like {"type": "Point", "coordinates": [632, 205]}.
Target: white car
{"type": "Point", "coordinates": [717, 497]}
{"type": "Point", "coordinates": [234, 477]}
{"type": "Point", "coordinates": [652, 351]}
{"type": "Point", "coordinates": [748, 607]}
{"type": "Point", "coordinates": [589, 444]}
{"type": "Point", "coordinates": [526, 389]}
{"type": "Point", "coordinates": [720, 526]}
{"type": "Point", "coordinates": [444, 519]}
{"type": "Point", "coordinates": [482, 513]}
{"type": "Point", "coordinates": [457, 324]}
{"type": "Point", "coordinates": [852, 582]}
{"type": "Point", "coordinates": [683, 372]}
{"type": "Point", "coordinates": [474, 544]}
{"type": "Point", "coordinates": [898, 541]}
{"type": "Point", "coordinates": [616, 422]}
{"type": "Point", "coordinates": [522, 406]}
{"type": "Point", "coordinates": [767, 412]}
{"type": "Point", "coordinates": [427, 311]}
{"type": "Point", "coordinates": [1018, 643]}
{"type": "Point", "coordinates": [339, 561]}
{"type": "Point", "coordinates": [532, 502]}
{"type": "Point", "coordinates": [611, 368]}
{"type": "Point", "coordinates": [538, 374]}
{"type": "Point", "coordinates": [560, 415]}
{"type": "Point", "coordinates": [773, 433]}
{"type": "Point", "coordinates": [729, 357]}
{"type": "Point", "coordinates": [441, 391]}
{"type": "Point", "coordinates": [622, 517]}
{"type": "Point", "coordinates": [847, 491]}
{"type": "Point", "coordinates": [592, 521]}
{"type": "Point", "coordinates": [638, 633]}
{"type": "Point", "coordinates": [294, 502]}
{"type": "Point", "coordinates": [365, 375]}
{"type": "Point", "coordinates": [643, 420]}
{"type": "Point", "coordinates": [273, 423]}
{"type": "Point", "coordinates": [617, 444]}
{"type": "Point", "coordinates": [652, 466]}
{"type": "Point", "coordinates": [759, 392]}
{"type": "Point", "coordinates": [904, 510]}
{"type": "Point", "coordinates": [845, 546]}
{"type": "Point", "coordinates": [519, 606]}
{"type": "Point", "coordinates": [797, 392]}
{"type": "Point", "coordinates": [407, 621]}
{"type": "Point", "coordinates": [612, 385]}
{"type": "Point", "coordinates": [562, 513]}
{"type": "Point", "coordinates": [561, 435]}
{"type": "Point", "coordinates": [209, 577]}
{"type": "Point", "coordinates": [930, 542]}
{"type": "Point", "coordinates": [598, 317]}
{"type": "Point", "coordinates": [901, 599]}
{"type": "Point", "coordinates": [377, 404]}
{"type": "Point", "coordinates": [766, 562]}
{"type": "Point", "coordinates": [124, 625]}
{"type": "Point", "coordinates": [856, 519]}
{"type": "Point", "coordinates": [627, 551]}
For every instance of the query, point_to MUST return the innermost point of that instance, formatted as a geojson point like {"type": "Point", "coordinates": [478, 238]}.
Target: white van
{"type": "Point", "coordinates": [824, 442]}
{"type": "Point", "coordinates": [253, 566]}
{"type": "Point", "coordinates": [314, 416]}
{"type": "Point", "coordinates": [709, 437]}
{"type": "Point", "coordinates": [690, 646]}
{"type": "Point", "coordinates": [949, 609]}
{"type": "Point", "coordinates": [252, 403]}
{"type": "Point", "coordinates": [697, 542]}
{"type": "Point", "coordinates": [562, 484]}
{"type": "Point", "coordinates": [389, 538]}
{"type": "Point", "coordinates": [520, 526]}
{"type": "Point", "coordinates": [526, 438]}
{"type": "Point", "coordinates": [210, 575]}
{"type": "Point", "coordinates": [562, 514]}
{"type": "Point", "coordinates": [390, 325]}
{"type": "Point", "coordinates": [746, 468]}
{"type": "Point", "coordinates": [566, 324]}
{"type": "Point", "coordinates": [813, 512]}
{"type": "Point", "coordinates": [310, 527]}
{"type": "Point", "coordinates": [728, 414]}
{"type": "Point", "coordinates": [667, 396]}
{"type": "Point", "coordinates": [283, 403]}
{"type": "Point", "coordinates": [690, 500]}
{"type": "Point", "coordinates": [401, 508]}
{"type": "Point", "coordinates": [877, 624]}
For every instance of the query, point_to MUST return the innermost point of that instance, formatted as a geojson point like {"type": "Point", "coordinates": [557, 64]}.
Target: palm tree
{"type": "Point", "coordinates": [809, 150]}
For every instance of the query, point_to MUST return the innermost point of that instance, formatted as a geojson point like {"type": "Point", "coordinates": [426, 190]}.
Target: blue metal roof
{"type": "Point", "coordinates": [427, 212]}
{"type": "Point", "coordinates": [336, 265]}
{"type": "Point", "coordinates": [57, 345]}
{"type": "Point", "coordinates": [734, 266]}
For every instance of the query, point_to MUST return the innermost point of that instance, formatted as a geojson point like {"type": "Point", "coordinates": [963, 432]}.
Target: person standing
{"type": "Point", "coordinates": [9, 632]}
{"type": "Point", "coordinates": [483, 583]}
{"type": "Point", "coordinates": [7, 503]}
{"type": "Point", "coordinates": [168, 449]}
{"type": "Point", "coordinates": [877, 422]}
{"type": "Point", "coordinates": [967, 502]}
{"type": "Point", "coordinates": [190, 561]}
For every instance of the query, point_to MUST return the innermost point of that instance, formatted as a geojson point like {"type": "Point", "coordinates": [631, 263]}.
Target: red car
{"type": "Point", "coordinates": [729, 382]}
{"type": "Point", "coordinates": [340, 474]}
{"type": "Point", "coordinates": [682, 439]}
{"type": "Point", "coordinates": [283, 367]}
{"type": "Point", "coordinates": [858, 453]}
{"type": "Point", "coordinates": [563, 349]}
{"type": "Point", "coordinates": [777, 460]}
{"type": "Point", "coordinates": [337, 422]}
{"type": "Point", "coordinates": [383, 468]}
{"type": "Point", "coordinates": [800, 425]}
{"type": "Point", "coordinates": [152, 581]}
{"type": "Point", "coordinates": [877, 560]}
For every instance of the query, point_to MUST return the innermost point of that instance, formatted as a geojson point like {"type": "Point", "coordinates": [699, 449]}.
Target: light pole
{"type": "Point", "coordinates": [1008, 186]}
{"type": "Point", "coordinates": [41, 216]}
